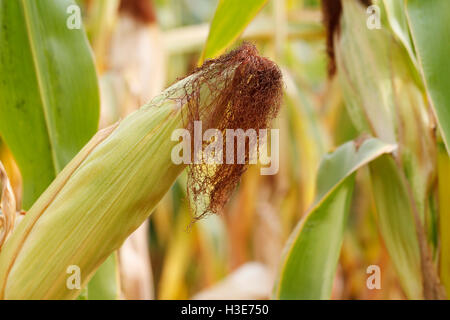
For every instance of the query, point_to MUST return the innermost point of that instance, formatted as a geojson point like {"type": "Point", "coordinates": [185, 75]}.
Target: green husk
{"type": "Point", "coordinates": [100, 198]}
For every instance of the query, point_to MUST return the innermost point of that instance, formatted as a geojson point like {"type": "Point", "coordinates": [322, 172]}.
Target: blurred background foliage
{"type": "Point", "coordinates": [142, 46]}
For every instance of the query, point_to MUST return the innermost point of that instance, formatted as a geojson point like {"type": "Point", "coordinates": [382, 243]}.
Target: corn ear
{"type": "Point", "coordinates": [100, 198]}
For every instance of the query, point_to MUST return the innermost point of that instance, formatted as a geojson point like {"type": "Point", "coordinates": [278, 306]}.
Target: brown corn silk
{"type": "Point", "coordinates": [248, 97]}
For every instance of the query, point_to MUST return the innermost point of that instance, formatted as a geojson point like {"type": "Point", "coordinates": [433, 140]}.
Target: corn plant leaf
{"type": "Point", "coordinates": [311, 254]}
{"type": "Point", "coordinates": [396, 15]}
{"type": "Point", "coordinates": [430, 31]}
{"type": "Point", "coordinates": [230, 20]}
{"type": "Point", "coordinates": [363, 66]}
{"type": "Point", "coordinates": [395, 219]}
{"type": "Point", "coordinates": [105, 284]}
{"type": "Point", "coordinates": [414, 133]}
{"type": "Point", "coordinates": [49, 104]}
{"type": "Point", "coordinates": [389, 105]}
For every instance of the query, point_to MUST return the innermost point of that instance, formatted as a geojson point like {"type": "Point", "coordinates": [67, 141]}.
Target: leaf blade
{"type": "Point", "coordinates": [430, 30]}
{"type": "Point", "coordinates": [105, 284]}
{"type": "Point", "coordinates": [230, 20]}
{"type": "Point", "coordinates": [312, 252]}
{"type": "Point", "coordinates": [396, 223]}
{"type": "Point", "coordinates": [49, 103]}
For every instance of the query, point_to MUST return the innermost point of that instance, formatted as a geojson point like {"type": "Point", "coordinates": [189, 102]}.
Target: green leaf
{"type": "Point", "coordinates": [49, 103]}
{"type": "Point", "coordinates": [396, 223]}
{"type": "Point", "coordinates": [429, 23]}
{"type": "Point", "coordinates": [311, 255]}
{"type": "Point", "coordinates": [396, 14]}
{"type": "Point", "coordinates": [363, 58]}
{"type": "Point", "coordinates": [381, 88]}
{"type": "Point", "coordinates": [384, 95]}
{"type": "Point", "coordinates": [230, 20]}
{"type": "Point", "coordinates": [105, 284]}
